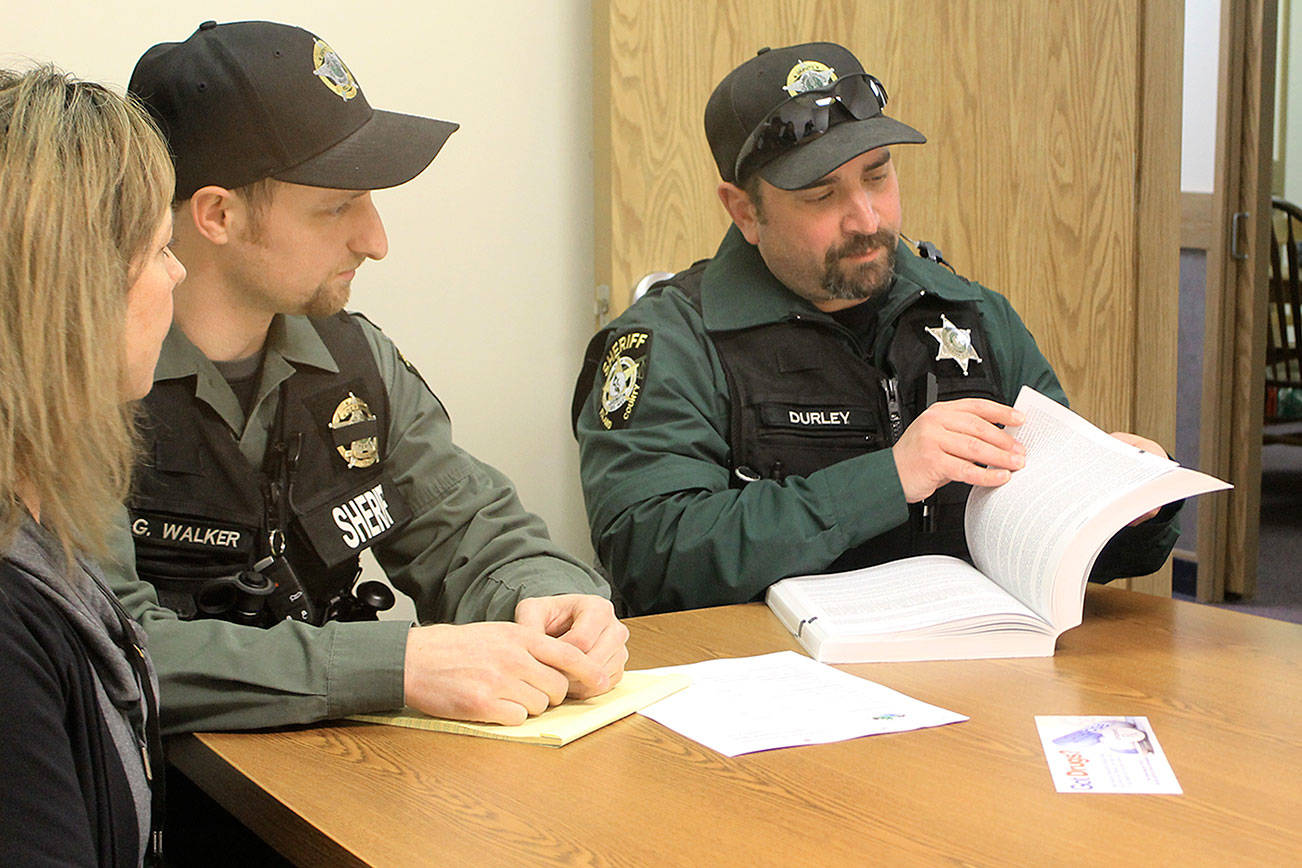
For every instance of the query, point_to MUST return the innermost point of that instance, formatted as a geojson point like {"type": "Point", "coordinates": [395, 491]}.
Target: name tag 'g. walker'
{"type": "Point", "coordinates": [624, 369]}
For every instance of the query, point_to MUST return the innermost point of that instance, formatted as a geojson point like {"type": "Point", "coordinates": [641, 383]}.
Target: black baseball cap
{"type": "Point", "coordinates": [749, 96]}
{"type": "Point", "coordinates": [249, 100]}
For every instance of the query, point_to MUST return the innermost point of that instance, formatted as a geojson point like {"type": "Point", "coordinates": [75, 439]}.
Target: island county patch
{"type": "Point", "coordinates": [623, 370]}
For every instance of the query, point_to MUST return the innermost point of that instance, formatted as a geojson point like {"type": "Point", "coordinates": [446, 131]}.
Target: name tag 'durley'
{"type": "Point", "coordinates": [820, 418]}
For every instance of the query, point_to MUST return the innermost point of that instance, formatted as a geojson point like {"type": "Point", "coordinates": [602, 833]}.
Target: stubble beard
{"type": "Point", "coordinates": [328, 300]}
{"type": "Point", "coordinates": [864, 279]}
{"type": "Point", "coordinates": [331, 296]}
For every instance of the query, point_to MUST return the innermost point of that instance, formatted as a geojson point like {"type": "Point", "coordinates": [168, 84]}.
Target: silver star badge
{"type": "Point", "coordinates": [954, 343]}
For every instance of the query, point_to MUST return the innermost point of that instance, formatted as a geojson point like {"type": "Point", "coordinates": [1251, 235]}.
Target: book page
{"type": "Point", "coordinates": [905, 595]}
{"type": "Point", "coordinates": [1018, 531]}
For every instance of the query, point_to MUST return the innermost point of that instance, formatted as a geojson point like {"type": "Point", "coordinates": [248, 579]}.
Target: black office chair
{"type": "Point", "coordinates": [1284, 324]}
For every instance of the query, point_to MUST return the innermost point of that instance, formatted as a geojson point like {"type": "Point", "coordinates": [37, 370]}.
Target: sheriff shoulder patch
{"type": "Point", "coordinates": [623, 370]}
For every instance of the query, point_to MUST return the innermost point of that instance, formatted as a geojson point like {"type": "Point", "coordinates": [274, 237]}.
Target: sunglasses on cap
{"type": "Point", "coordinates": [808, 115]}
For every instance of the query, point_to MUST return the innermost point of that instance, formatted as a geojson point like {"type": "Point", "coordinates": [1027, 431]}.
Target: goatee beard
{"type": "Point", "coordinates": [327, 301]}
{"type": "Point", "coordinates": [865, 279]}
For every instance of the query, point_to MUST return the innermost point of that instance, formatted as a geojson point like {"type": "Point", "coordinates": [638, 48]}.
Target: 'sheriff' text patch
{"type": "Point", "coordinates": [623, 371]}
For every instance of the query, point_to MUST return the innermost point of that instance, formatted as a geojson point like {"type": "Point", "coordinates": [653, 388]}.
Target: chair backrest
{"type": "Point", "coordinates": [648, 280]}
{"type": "Point", "coordinates": [1284, 317]}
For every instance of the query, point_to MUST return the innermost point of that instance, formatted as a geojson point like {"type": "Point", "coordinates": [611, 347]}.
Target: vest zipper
{"type": "Point", "coordinates": [891, 387]}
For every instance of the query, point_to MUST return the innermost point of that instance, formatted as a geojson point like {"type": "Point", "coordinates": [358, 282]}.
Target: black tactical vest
{"type": "Point", "coordinates": [803, 396]}
{"type": "Point", "coordinates": [200, 514]}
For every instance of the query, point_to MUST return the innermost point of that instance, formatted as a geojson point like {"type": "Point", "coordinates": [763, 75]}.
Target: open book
{"type": "Point", "coordinates": [1033, 539]}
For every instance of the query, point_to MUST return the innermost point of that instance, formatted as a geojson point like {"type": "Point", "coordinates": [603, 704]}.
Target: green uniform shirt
{"type": "Point", "coordinates": [664, 519]}
{"type": "Point", "coordinates": [470, 553]}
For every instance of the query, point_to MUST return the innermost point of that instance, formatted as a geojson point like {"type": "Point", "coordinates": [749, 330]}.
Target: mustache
{"type": "Point", "coordinates": [859, 244]}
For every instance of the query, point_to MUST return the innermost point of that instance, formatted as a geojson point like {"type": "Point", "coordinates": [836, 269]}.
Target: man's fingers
{"type": "Point", "coordinates": [550, 615]}
{"type": "Point", "coordinates": [982, 431]}
{"type": "Point", "coordinates": [587, 625]}
{"type": "Point", "coordinates": [991, 411]}
{"type": "Point", "coordinates": [529, 614]}
{"type": "Point", "coordinates": [611, 653]}
{"type": "Point", "coordinates": [578, 668]}
{"type": "Point", "coordinates": [579, 619]}
{"type": "Point", "coordinates": [610, 644]}
{"type": "Point", "coordinates": [597, 632]}
{"type": "Point", "coordinates": [973, 474]}
{"type": "Point", "coordinates": [958, 441]}
{"type": "Point", "coordinates": [550, 681]}
{"type": "Point", "coordinates": [533, 697]}
{"type": "Point", "coordinates": [590, 617]}
{"type": "Point", "coordinates": [505, 712]}
{"type": "Point", "coordinates": [613, 666]}
{"type": "Point", "coordinates": [493, 671]}
{"type": "Point", "coordinates": [976, 451]}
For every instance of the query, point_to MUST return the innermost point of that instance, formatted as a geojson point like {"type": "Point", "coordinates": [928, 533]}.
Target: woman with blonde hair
{"type": "Point", "coordinates": [86, 280]}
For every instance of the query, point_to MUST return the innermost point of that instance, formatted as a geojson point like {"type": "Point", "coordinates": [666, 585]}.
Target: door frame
{"type": "Point", "coordinates": [1235, 347]}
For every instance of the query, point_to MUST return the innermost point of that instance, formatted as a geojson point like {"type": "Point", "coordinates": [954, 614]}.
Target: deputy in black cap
{"type": "Point", "coordinates": [285, 437]}
{"type": "Point", "coordinates": [816, 397]}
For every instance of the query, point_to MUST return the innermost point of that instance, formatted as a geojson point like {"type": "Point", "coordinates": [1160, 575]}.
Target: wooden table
{"type": "Point", "coordinates": [1222, 690]}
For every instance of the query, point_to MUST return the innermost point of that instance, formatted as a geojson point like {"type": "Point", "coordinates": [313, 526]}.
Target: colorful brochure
{"type": "Point", "coordinates": [1105, 754]}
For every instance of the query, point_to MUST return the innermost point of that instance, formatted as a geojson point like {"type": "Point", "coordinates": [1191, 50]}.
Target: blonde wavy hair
{"type": "Point", "coordinates": [85, 180]}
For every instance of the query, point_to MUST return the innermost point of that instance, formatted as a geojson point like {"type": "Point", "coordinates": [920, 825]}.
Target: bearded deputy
{"type": "Point", "coordinates": [284, 436]}
{"type": "Point", "coordinates": [815, 397]}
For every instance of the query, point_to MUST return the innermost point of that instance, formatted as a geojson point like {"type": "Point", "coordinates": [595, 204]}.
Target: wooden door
{"type": "Point", "coordinates": [1051, 172]}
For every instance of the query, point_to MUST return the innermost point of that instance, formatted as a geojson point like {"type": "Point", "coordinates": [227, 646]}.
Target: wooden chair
{"type": "Point", "coordinates": [1284, 318]}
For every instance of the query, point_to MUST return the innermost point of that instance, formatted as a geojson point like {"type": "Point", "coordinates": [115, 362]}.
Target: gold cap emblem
{"type": "Point", "coordinates": [332, 71]}
{"type": "Point", "coordinates": [809, 75]}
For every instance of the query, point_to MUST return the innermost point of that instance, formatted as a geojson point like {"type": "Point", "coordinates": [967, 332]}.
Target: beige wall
{"type": "Point", "coordinates": [487, 286]}
{"type": "Point", "coordinates": [1292, 93]}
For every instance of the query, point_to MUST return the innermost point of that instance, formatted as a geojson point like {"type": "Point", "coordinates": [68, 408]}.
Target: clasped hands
{"type": "Point", "coordinates": [963, 441]}
{"type": "Point", "coordinates": [503, 672]}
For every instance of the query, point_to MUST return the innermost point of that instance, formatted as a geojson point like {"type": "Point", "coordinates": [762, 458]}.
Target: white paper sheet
{"type": "Point", "coordinates": [740, 705]}
{"type": "Point", "coordinates": [1105, 754]}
